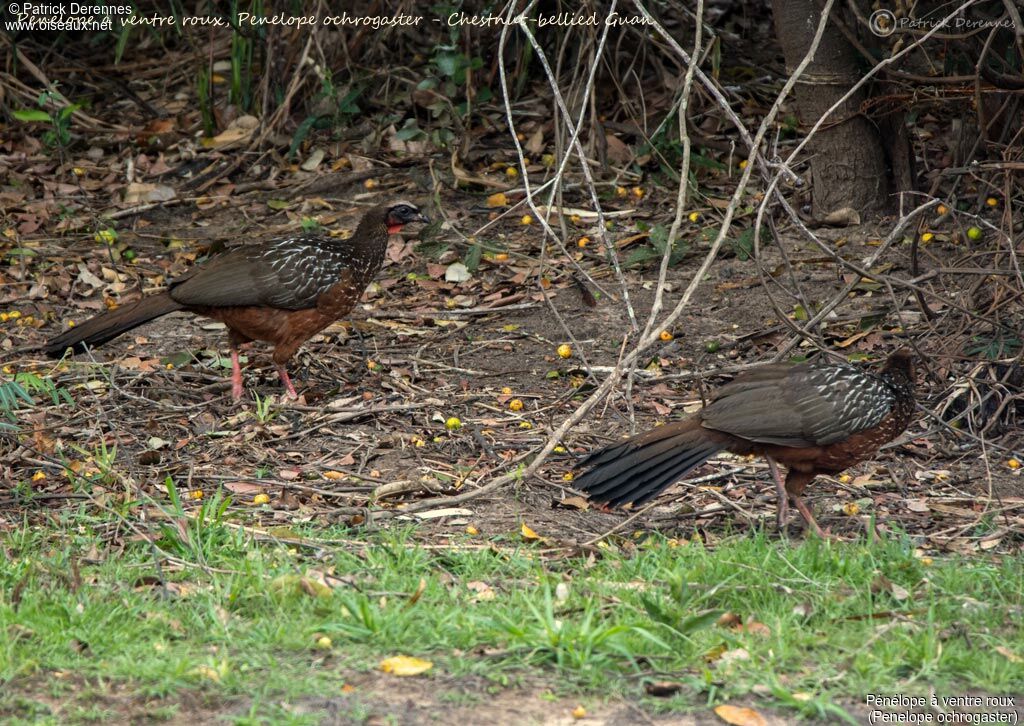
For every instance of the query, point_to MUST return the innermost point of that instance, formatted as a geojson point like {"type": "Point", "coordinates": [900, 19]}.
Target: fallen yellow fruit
{"type": "Point", "coordinates": [405, 665]}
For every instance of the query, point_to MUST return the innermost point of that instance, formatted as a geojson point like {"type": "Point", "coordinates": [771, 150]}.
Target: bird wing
{"type": "Point", "coordinates": [288, 274]}
{"type": "Point", "coordinates": [800, 406]}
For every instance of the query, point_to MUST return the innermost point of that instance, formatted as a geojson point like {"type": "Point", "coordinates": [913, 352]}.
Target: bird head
{"type": "Point", "coordinates": [901, 361]}
{"type": "Point", "coordinates": [400, 214]}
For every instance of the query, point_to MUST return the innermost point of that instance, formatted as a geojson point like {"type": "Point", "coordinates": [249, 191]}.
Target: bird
{"type": "Point", "coordinates": [815, 417]}
{"type": "Point", "coordinates": [281, 291]}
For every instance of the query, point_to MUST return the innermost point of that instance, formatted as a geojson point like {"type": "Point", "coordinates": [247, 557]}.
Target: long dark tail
{"type": "Point", "coordinates": [107, 326]}
{"type": "Point", "coordinates": [638, 469]}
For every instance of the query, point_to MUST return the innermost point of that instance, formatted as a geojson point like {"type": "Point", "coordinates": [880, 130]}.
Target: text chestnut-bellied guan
{"type": "Point", "coordinates": [281, 291]}
{"type": "Point", "coordinates": [816, 418]}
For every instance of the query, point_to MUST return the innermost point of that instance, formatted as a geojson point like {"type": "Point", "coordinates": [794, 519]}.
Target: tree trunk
{"type": "Point", "coordinates": [848, 164]}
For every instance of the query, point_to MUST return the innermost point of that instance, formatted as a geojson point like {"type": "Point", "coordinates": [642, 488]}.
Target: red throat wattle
{"type": "Point", "coordinates": [395, 228]}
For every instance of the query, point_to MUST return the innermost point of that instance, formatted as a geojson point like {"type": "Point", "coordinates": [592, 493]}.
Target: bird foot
{"type": "Point", "coordinates": [782, 515]}
{"type": "Point", "coordinates": [286, 381]}
{"type": "Point", "coordinates": [826, 534]}
{"type": "Point", "coordinates": [805, 512]}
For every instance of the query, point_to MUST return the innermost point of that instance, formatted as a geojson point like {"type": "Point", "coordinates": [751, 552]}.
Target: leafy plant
{"type": "Point", "coordinates": [264, 411]}
{"type": "Point", "coordinates": [658, 239]}
{"type": "Point", "coordinates": [743, 243]}
{"type": "Point", "coordinates": [59, 118]}
{"type": "Point", "coordinates": [675, 610]}
{"type": "Point", "coordinates": [331, 108]}
{"type": "Point", "coordinates": [993, 347]}
{"type": "Point", "coordinates": [103, 471]}
{"type": "Point", "coordinates": [203, 87]}
{"type": "Point", "coordinates": [450, 85]}
{"type": "Point", "coordinates": [200, 536]}
{"type": "Point", "coordinates": [17, 393]}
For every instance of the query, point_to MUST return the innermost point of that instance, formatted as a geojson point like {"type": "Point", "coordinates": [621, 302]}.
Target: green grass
{"type": "Point", "coordinates": [241, 618]}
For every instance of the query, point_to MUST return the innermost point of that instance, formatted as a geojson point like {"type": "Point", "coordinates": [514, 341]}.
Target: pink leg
{"type": "Point", "coordinates": [782, 496]}
{"type": "Point", "coordinates": [236, 374]}
{"type": "Point", "coordinates": [809, 518]}
{"type": "Point", "coordinates": [286, 381]}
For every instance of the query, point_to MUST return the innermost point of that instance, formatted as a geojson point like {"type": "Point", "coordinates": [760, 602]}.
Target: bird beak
{"type": "Point", "coordinates": [423, 218]}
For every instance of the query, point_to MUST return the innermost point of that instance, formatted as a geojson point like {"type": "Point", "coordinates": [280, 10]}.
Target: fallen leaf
{"type": "Point", "coordinates": [141, 193]}
{"type": "Point", "coordinates": [803, 610]}
{"type": "Point", "coordinates": [662, 689]}
{"type": "Point", "coordinates": [417, 593]}
{"type": "Point", "coordinates": [443, 512]}
{"type": "Point", "coordinates": [884, 584]}
{"type": "Point", "coordinates": [239, 130]}
{"type": "Point", "coordinates": [865, 480]}
{"type": "Point", "coordinates": [86, 277]}
{"type": "Point", "coordinates": [755, 628]}
{"type": "Point", "coordinates": [243, 487]}
{"type": "Point", "coordinates": [917, 505]}
{"type": "Point", "coordinates": [535, 144]}
{"type": "Point", "coordinates": [292, 584]}
{"type": "Point", "coordinates": [728, 620]}
{"type": "Point", "coordinates": [578, 503]}
{"type": "Point", "coordinates": [739, 715]}
{"type": "Point", "coordinates": [314, 160]}
{"type": "Point", "coordinates": [209, 672]}
{"type": "Point", "coordinates": [528, 533]}
{"type": "Point", "coordinates": [482, 591]}
{"type": "Point", "coordinates": [845, 217]}
{"type": "Point", "coordinates": [405, 665]}
{"type": "Point", "coordinates": [457, 272]}
{"type": "Point", "coordinates": [1008, 654]}
{"type": "Point", "coordinates": [732, 655]}
{"type": "Point", "coordinates": [138, 364]}
{"type": "Point", "coordinates": [714, 653]}
{"type": "Point", "coordinates": [617, 150]}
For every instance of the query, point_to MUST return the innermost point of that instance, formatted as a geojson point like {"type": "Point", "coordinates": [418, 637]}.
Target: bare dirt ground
{"type": "Point", "coordinates": [371, 699]}
{"type": "Point", "coordinates": [425, 350]}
